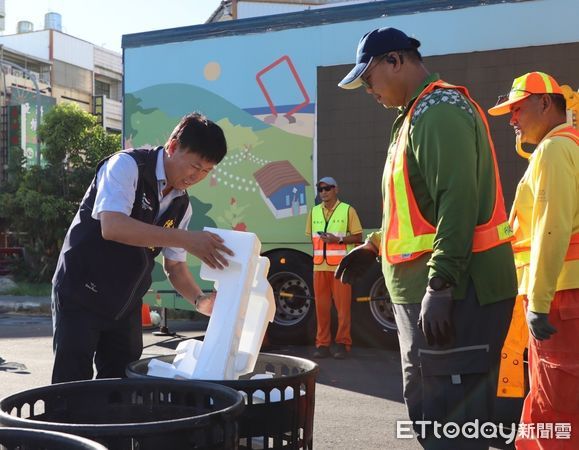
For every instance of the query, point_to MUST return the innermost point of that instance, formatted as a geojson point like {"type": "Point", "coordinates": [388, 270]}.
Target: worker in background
{"type": "Point", "coordinates": [545, 219]}
{"type": "Point", "coordinates": [445, 240]}
{"type": "Point", "coordinates": [333, 226]}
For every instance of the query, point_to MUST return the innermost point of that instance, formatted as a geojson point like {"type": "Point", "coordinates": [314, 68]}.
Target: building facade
{"type": "Point", "coordinates": [243, 9]}
{"type": "Point", "coordinates": [47, 67]}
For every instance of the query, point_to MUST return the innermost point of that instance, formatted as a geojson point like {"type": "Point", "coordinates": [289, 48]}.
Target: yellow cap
{"type": "Point", "coordinates": [524, 86]}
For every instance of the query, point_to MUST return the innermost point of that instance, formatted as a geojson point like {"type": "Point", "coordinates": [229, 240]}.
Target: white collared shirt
{"type": "Point", "coordinates": [116, 186]}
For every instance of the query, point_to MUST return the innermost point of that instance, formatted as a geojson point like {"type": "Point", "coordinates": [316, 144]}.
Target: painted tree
{"type": "Point", "coordinates": [238, 137]}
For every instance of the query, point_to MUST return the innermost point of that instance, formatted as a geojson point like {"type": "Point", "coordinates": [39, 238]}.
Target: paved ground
{"type": "Point", "coordinates": [357, 400]}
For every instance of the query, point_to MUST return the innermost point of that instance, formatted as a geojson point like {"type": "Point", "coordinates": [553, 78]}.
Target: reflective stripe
{"type": "Point", "coordinates": [481, 238]}
{"type": "Point", "coordinates": [523, 254]}
{"type": "Point", "coordinates": [400, 195]}
{"type": "Point", "coordinates": [548, 85]}
{"type": "Point", "coordinates": [408, 233]}
{"type": "Point", "coordinates": [331, 252]}
{"type": "Point", "coordinates": [411, 245]}
{"type": "Point", "coordinates": [568, 132]}
{"type": "Point", "coordinates": [336, 252]}
{"type": "Point", "coordinates": [522, 258]}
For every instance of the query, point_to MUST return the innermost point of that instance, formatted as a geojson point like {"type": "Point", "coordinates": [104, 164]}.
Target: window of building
{"type": "Point", "coordinates": [102, 88]}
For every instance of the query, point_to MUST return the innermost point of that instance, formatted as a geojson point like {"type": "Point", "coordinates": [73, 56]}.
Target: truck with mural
{"type": "Point", "coordinates": [271, 84]}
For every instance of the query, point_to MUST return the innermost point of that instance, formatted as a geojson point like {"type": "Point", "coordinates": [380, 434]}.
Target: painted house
{"type": "Point", "coordinates": [282, 188]}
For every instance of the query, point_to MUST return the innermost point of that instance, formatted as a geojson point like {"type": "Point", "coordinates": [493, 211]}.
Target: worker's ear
{"type": "Point", "coordinates": [546, 102]}
{"type": "Point", "coordinates": [171, 147]}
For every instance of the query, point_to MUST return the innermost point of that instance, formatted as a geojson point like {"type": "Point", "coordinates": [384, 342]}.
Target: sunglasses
{"type": "Point", "coordinates": [503, 98]}
{"type": "Point", "coordinates": [325, 188]}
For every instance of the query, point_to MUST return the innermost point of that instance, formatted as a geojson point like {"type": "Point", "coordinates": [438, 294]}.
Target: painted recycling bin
{"type": "Point", "coordinates": [126, 414]}
{"type": "Point", "coordinates": [279, 400]}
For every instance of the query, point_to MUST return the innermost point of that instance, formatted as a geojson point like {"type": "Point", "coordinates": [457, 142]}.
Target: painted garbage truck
{"type": "Point", "coordinates": [271, 83]}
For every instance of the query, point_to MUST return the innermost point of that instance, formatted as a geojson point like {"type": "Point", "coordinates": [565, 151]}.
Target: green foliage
{"type": "Point", "coordinates": [41, 201]}
{"type": "Point", "coordinates": [132, 103]}
{"type": "Point", "coordinates": [233, 217]}
{"type": "Point", "coordinates": [238, 137]}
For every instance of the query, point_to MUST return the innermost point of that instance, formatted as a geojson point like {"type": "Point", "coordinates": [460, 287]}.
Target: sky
{"type": "Point", "coordinates": [103, 22]}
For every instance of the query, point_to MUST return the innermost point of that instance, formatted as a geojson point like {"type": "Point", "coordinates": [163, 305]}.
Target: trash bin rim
{"type": "Point", "coordinates": [233, 410]}
{"type": "Point", "coordinates": [314, 368]}
{"type": "Point", "coordinates": [93, 445]}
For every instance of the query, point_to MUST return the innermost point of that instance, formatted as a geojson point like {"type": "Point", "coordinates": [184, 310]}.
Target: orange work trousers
{"type": "Point", "coordinates": [326, 288]}
{"type": "Point", "coordinates": [551, 408]}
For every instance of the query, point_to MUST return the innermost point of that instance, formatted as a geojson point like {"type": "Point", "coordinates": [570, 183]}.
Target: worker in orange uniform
{"type": "Point", "coordinates": [545, 219]}
{"type": "Point", "coordinates": [334, 227]}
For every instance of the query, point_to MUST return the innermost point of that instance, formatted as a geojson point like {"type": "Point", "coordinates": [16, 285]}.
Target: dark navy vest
{"type": "Point", "coordinates": [108, 277]}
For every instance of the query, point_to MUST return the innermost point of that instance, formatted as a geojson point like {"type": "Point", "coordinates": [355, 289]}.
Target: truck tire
{"type": "Point", "coordinates": [290, 272]}
{"type": "Point", "coordinates": [373, 321]}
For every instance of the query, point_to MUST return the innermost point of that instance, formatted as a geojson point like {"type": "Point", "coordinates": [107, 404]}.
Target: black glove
{"type": "Point", "coordinates": [539, 326]}
{"type": "Point", "coordinates": [436, 316]}
{"type": "Point", "coordinates": [356, 263]}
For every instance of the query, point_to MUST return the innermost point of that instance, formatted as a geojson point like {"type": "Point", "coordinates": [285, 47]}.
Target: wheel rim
{"type": "Point", "coordinates": [382, 310]}
{"type": "Point", "coordinates": [290, 311]}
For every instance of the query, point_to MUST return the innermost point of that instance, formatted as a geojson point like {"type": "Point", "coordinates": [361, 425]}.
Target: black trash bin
{"type": "Point", "coordinates": [271, 419]}
{"type": "Point", "coordinates": [25, 439]}
{"type": "Point", "coordinates": [132, 414]}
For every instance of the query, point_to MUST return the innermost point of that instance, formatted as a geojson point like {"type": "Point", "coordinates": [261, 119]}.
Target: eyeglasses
{"type": "Point", "coordinates": [364, 78]}
{"type": "Point", "coordinates": [325, 188]}
{"type": "Point", "coordinates": [381, 58]}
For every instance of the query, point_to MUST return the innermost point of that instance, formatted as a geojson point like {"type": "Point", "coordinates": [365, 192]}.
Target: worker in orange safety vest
{"type": "Point", "coordinates": [545, 220]}
{"type": "Point", "coordinates": [334, 227]}
{"type": "Point", "coordinates": [445, 240]}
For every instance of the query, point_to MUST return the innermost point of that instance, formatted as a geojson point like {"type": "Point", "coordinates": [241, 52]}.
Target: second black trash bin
{"type": "Point", "coordinates": [25, 439]}
{"type": "Point", "coordinates": [132, 414]}
{"type": "Point", "coordinates": [279, 411]}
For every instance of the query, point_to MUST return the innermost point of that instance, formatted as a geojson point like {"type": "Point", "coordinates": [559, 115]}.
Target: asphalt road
{"type": "Point", "coordinates": [358, 400]}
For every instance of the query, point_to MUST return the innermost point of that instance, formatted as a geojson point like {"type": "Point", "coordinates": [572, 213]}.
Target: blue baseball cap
{"type": "Point", "coordinates": [330, 181]}
{"type": "Point", "coordinates": [376, 43]}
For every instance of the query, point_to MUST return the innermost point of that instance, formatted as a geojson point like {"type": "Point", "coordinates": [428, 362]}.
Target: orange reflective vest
{"type": "Point", "coordinates": [337, 224]}
{"type": "Point", "coordinates": [523, 251]}
{"type": "Point", "coordinates": [409, 235]}
{"type": "Point", "coordinates": [511, 372]}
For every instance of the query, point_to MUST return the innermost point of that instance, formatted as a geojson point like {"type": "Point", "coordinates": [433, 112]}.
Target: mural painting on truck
{"type": "Point", "coordinates": [264, 183]}
{"type": "Point", "coordinates": [257, 78]}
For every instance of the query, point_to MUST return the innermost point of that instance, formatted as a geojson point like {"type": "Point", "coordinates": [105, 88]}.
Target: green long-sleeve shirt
{"type": "Point", "coordinates": [450, 168]}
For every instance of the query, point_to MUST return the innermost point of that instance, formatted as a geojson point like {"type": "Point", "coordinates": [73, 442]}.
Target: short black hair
{"type": "Point", "coordinates": [412, 54]}
{"type": "Point", "coordinates": [559, 102]}
{"type": "Point", "coordinates": [197, 134]}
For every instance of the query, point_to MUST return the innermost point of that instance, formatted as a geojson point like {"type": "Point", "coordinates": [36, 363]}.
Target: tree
{"type": "Point", "coordinates": [42, 201]}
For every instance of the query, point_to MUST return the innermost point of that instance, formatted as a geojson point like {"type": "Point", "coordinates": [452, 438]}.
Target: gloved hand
{"type": "Point", "coordinates": [356, 263]}
{"type": "Point", "coordinates": [436, 316]}
{"type": "Point", "coordinates": [539, 326]}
